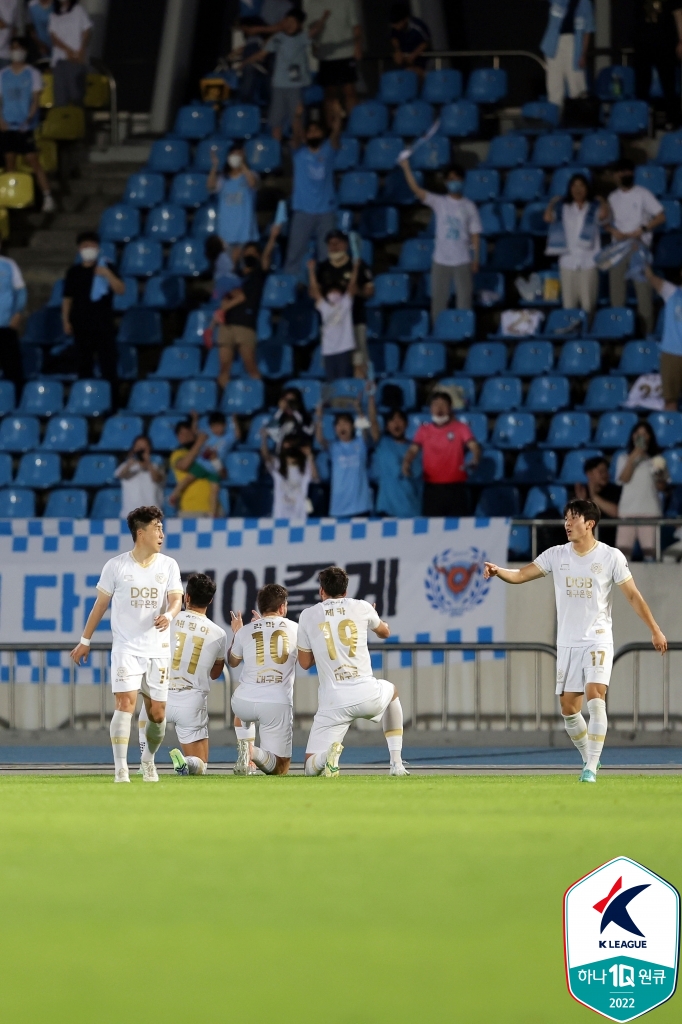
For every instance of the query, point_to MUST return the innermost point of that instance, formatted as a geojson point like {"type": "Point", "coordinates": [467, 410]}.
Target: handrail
{"type": "Point", "coordinates": [100, 66]}
{"type": "Point", "coordinates": [495, 54]}
{"type": "Point", "coordinates": [656, 521]}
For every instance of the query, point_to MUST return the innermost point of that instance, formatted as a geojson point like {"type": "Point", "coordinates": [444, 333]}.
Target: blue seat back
{"type": "Point", "coordinates": [187, 258]}
{"type": "Point", "coordinates": [606, 393]}
{"type": "Point", "coordinates": [17, 503]}
{"type": "Point", "coordinates": [243, 467]}
{"type": "Point", "coordinates": [487, 85]}
{"type": "Point", "coordinates": [598, 149]}
{"type": "Point", "coordinates": [541, 499]}
{"type": "Point", "coordinates": [512, 253]}
{"type": "Point", "coordinates": [165, 291]}
{"type": "Point", "coordinates": [69, 503]}
{"type": "Point", "coordinates": [615, 83]}
{"type": "Point", "coordinates": [7, 397]}
{"type": "Point", "coordinates": [413, 119]}
{"type": "Point", "coordinates": [668, 252]}
{"type": "Point", "coordinates": [459, 120]}
{"type": "Point", "coordinates": [498, 500]}
{"type": "Point", "coordinates": [106, 504]}
{"type": "Point", "coordinates": [66, 434]}
{"type": "Point", "coordinates": [673, 215]}
{"type": "Point", "coordinates": [194, 121]}
{"type": "Point", "coordinates": [167, 222]}
{"type": "Point", "coordinates": [432, 154]}
{"type": "Point", "coordinates": [195, 325]}
{"type": "Point", "coordinates": [425, 359]}
{"type": "Point", "coordinates": [357, 188]}
{"type": "Point", "coordinates": [179, 362]}
{"type": "Point", "coordinates": [205, 150]}
{"type": "Point", "coordinates": [347, 156]}
{"type": "Point", "coordinates": [275, 361]}
{"type": "Point", "coordinates": [485, 358]}
{"type": "Point", "coordinates": [119, 432]}
{"type": "Point", "coordinates": [368, 119]}
{"type": "Point", "coordinates": [279, 291]}
{"type": "Point", "coordinates": [531, 358]}
{"type": "Point", "coordinates": [298, 325]}
{"type": "Point", "coordinates": [542, 110]}
{"type": "Point", "coordinates": [42, 398]}
{"type": "Point", "coordinates": [553, 150]}
{"type": "Point", "coordinates": [548, 394]}
{"type": "Point", "coordinates": [513, 430]}
{"type": "Point", "coordinates": [168, 156]}
{"type": "Point", "coordinates": [615, 322]}
{"type": "Point", "coordinates": [489, 469]}
{"type": "Point", "coordinates": [614, 429]}
{"type": "Point", "coordinates": [651, 176]}
{"type": "Point", "coordinates": [127, 362]}
{"type": "Point", "coordinates": [523, 184]}
{"type": "Point", "coordinates": [442, 86]}
{"type": "Point", "coordinates": [149, 397]}
{"type": "Point", "coordinates": [496, 218]}
{"type": "Point", "coordinates": [501, 394]}
{"type": "Point", "coordinates": [455, 325]}
{"type": "Point", "coordinates": [240, 121]}
{"type": "Point", "coordinates": [89, 398]}
{"type": "Point", "coordinates": [205, 221]}
{"type": "Point", "coordinates": [243, 397]}
{"type": "Point", "coordinates": [573, 466]}
{"type": "Point", "coordinates": [629, 117]}
{"type": "Point", "coordinates": [507, 151]}
{"type": "Point", "coordinates": [482, 184]}
{"type": "Point", "coordinates": [535, 466]}
{"type": "Point", "coordinates": [639, 357]}
{"type": "Point", "coordinates": [558, 186]}
{"type": "Point", "coordinates": [673, 459]}
{"type": "Point", "coordinates": [667, 426]}
{"type": "Point", "coordinates": [670, 149]}
{"type": "Point", "coordinates": [381, 152]}
{"type": "Point", "coordinates": [398, 87]}
{"type": "Point", "coordinates": [39, 469]}
{"type": "Point", "coordinates": [416, 255]}
{"type": "Point", "coordinates": [162, 432]}
{"type": "Point", "coordinates": [196, 396]}
{"type": "Point", "coordinates": [141, 258]}
{"type": "Point", "coordinates": [579, 358]}
{"type": "Point", "coordinates": [140, 326]}
{"type": "Point", "coordinates": [562, 324]}
{"type": "Point", "coordinates": [379, 221]}
{"type": "Point", "coordinates": [189, 189]}
{"type": "Point", "coordinates": [264, 154]}
{"type": "Point", "coordinates": [569, 430]}
{"type": "Point", "coordinates": [129, 297]}
{"type": "Point", "coordinates": [391, 289]}
{"type": "Point", "coordinates": [408, 324]}
{"type": "Point", "coordinates": [95, 470]}
{"type": "Point", "coordinates": [144, 189]}
{"type": "Point", "coordinates": [533, 219]}
{"type": "Point", "coordinates": [477, 423]}
{"type": "Point", "coordinates": [119, 223]}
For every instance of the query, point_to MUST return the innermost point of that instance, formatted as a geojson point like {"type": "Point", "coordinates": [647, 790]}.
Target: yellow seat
{"type": "Point", "coordinates": [96, 91]}
{"type": "Point", "coordinates": [47, 95]}
{"type": "Point", "coordinates": [64, 124]}
{"type": "Point", "coordinates": [4, 224]}
{"type": "Point", "coordinates": [16, 190]}
{"type": "Point", "coordinates": [47, 155]}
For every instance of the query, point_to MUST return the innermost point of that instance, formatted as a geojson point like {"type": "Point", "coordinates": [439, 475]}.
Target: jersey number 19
{"type": "Point", "coordinates": [348, 637]}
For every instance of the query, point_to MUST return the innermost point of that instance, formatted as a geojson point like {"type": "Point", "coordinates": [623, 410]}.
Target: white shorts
{"type": "Point", "coordinates": [187, 710]}
{"type": "Point", "coordinates": [578, 666]}
{"type": "Point", "coordinates": [331, 725]}
{"type": "Point", "coordinates": [275, 723]}
{"type": "Point", "coordinates": [132, 672]}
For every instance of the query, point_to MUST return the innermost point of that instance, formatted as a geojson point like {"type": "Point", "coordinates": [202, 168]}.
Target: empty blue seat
{"type": "Point", "coordinates": [512, 253]}
{"type": "Point", "coordinates": [119, 223]}
{"type": "Point", "coordinates": [279, 291]}
{"type": "Point", "coordinates": [189, 189]}
{"type": "Point", "coordinates": [69, 503]}
{"type": "Point", "coordinates": [140, 326]}
{"type": "Point", "coordinates": [385, 358]}
{"type": "Point", "coordinates": [368, 119]}
{"type": "Point", "coordinates": [380, 221]}
{"type": "Point", "coordinates": [398, 87]}
{"type": "Point", "coordinates": [490, 467]}
{"type": "Point", "coordinates": [416, 255]}
{"type": "Point", "coordinates": [408, 324]}
{"type": "Point", "coordinates": [459, 120]}
{"type": "Point", "coordinates": [455, 325]}
{"type": "Point", "coordinates": [187, 258]}
{"type": "Point", "coordinates": [205, 221]}
{"type": "Point", "coordinates": [442, 86]}
{"type": "Point", "coordinates": [432, 154]}
{"type": "Point", "coordinates": [390, 290]}
{"type": "Point", "coordinates": [598, 149]}
{"type": "Point", "coordinates": [553, 150]}
{"type": "Point", "coordinates": [240, 121]}
{"type": "Point", "coordinates": [489, 288]}
{"type": "Point", "coordinates": [673, 459]}
{"type": "Point", "coordinates": [167, 222]}
{"type": "Point", "coordinates": [651, 176]}
{"type": "Point", "coordinates": [206, 149]}
{"type": "Point", "coordinates": [39, 470]}
{"type": "Point", "coordinates": [349, 389]}
{"type": "Point", "coordinates": [164, 291]}
{"type": "Point", "coordinates": [357, 188]}
{"type": "Point", "coordinates": [465, 385]}
{"type": "Point", "coordinates": [629, 117]}
{"type": "Point", "coordinates": [667, 426]}
{"type": "Point", "coordinates": [496, 218]}
{"type": "Point", "coordinates": [524, 184]}
{"type": "Point", "coordinates": [243, 397]}
{"type": "Point", "coordinates": [141, 258]}
{"type": "Point", "coordinates": [615, 83]}
{"type": "Point", "coordinates": [253, 438]}
{"type": "Point", "coordinates": [89, 398]}
{"type": "Point", "coordinates": [519, 544]}
{"type": "Point", "coordinates": [150, 397]}
{"type": "Point", "coordinates": [129, 297]}
{"type": "Point", "coordinates": [532, 358]}
{"type": "Point", "coordinates": [542, 499]}
{"type": "Point", "coordinates": [194, 121]}
{"type": "Point", "coordinates": [66, 434]}
{"type": "Point", "coordinates": [425, 359]}
{"type": "Point", "coordinates": [7, 397]}
{"type": "Point", "coordinates": [17, 503]}
{"type": "Point", "coordinates": [579, 358]}
{"type": "Point", "coordinates": [118, 433]}
{"type": "Point", "coordinates": [568, 430]}
{"type": "Point", "coordinates": [542, 111]}
{"type": "Point", "coordinates": [242, 467]}
{"type": "Point", "coordinates": [548, 394]}
{"type": "Point", "coordinates": [614, 428]}
{"type": "Point", "coordinates": [95, 471]}
{"type": "Point", "coordinates": [477, 422]}
{"type": "Point", "coordinates": [670, 149]}
{"type": "Point", "coordinates": [562, 324]}
{"type": "Point", "coordinates": [106, 504]}
{"type": "Point", "coordinates": [558, 186]}
{"type": "Point", "coordinates": [162, 432]}
{"type": "Point", "coordinates": [485, 358]}
{"type": "Point", "coordinates": [513, 430]}
{"type": "Point", "coordinates": [347, 156]}
{"type": "Point", "coordinates": [57, 293]}
{"type": "Point", "coordinates": [535, 466]}
{"type": "Point", "coordinates": [573, 467]}
{"type": "Point", "coordinates": [533, 219]}
{"type": "Point", "coordinates": [179, 362]}
{"type": "Point", "coordinates": [482, 184]}
{"type": "Point", "coordinates": [668, 252]}
{"type": "Point", "coordinates": [196, 396]}
{"type": "Point", "coordinates": [507, 151]}
{"type": "Point", "coordinates": [616, 322]}
{"type": "Point", "coordinates": [144, 189]}
{"type": "Point", "coordinates": [168, 156]}
{"type": "Point", "coordinates": [298, 325]}
{"type": "Point", "coordinates": [673, 215]}
{"type": "Point", "coordinates": [42, 398]}
{"type": "Point", "coordinates": [498, 500]}
{"type": "Point", "coordinates": [500, 394]}
{"type": "Point", "coordinates": [412, 119]}
{"type": "Point", "coordinates": [487, 85]}
{"type": "Point", "coordinates": [605, 393]}
{"type": "Point", "coordinates": [638, 357]}
{"type": "Point", "coordinates": [263, 154]}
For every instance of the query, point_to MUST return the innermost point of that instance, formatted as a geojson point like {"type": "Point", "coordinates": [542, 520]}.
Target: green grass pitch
{"type": "Point", "coordinates": [348, 901]}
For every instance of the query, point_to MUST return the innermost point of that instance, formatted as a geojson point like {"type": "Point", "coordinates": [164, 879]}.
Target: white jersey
{"type": "Point", "coordinates": [267, 646]}
{"type": "Point", "coordinates": [583, 585]}
{"type": "Point", "coordinates": [196, 644]}
{"type": "Point", "coordinates": [336, 632]}
{"type": "Point", "coordinates": [138, 595]}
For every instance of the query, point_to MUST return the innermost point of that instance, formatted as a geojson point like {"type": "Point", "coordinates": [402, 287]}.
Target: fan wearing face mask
{"type": "Point", "coordinates": [336, 272]}
{"type": "Point", "coordinates": [20, 88]}
{"type": "Point", "coordinates": [236, 189]}
{"type": "Point", "coordinates": [336, 310]}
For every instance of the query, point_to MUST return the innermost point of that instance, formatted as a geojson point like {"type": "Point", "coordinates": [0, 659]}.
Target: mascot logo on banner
{"type": "Point", "coordinates": [454, 581]}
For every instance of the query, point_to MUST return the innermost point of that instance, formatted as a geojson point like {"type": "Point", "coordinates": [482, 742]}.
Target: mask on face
{"type": "Point", "coordinates": [234, 160]}
{"type": "Point", "coordinates": [89, 253]}
{"type": "Point", "coordinates": [627, 180]}
{"type": "Point", "coordinates": [333, 298]}
{"type": "Point", "coordinates": [338, 259]}
{"type": "Point", "coordinates": [250, 262]}
{"type": "Point", "coordinates": [18, 56]}
{"type": "Point", "coordinates": [440, 421]}
{"type": "Point", "coordinates": [455, 187]}
{"type": "Point", "coordinates": [314, 142]}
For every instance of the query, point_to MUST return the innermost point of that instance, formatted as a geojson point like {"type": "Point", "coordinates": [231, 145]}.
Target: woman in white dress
{"type": "Point", "coordinates": [574, 236]}
{"type": "Point", "coordinates": [643, 475]}
{"type": "Point", "coordinates": [292, 472]}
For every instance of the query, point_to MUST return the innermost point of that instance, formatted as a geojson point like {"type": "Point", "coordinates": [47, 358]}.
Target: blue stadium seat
{"type": "Point", "coordinates": [507, 151]}
{"type": "Point", "coordinates": [118, 433]}
{"type": "Point", "coordinates": [349, 389]}
{"type": "Point", "coordinates": [548, 394]}
{"type": "Point", "coordinates": [614, 428]}
{"type": "Point", "coordinates": [553, 150]}
{"type": "Point", "coordinates": [533, 219]}
{"type": "Point", "coordinates": [638, 357]}
{"type": "Point", "coordinates": [573, 467]}
{"type": "Point", "coordinates": [89, 398]}
{"type": "Point", "coordinates": [562, 324]}
{"type": "Point", "coordinates": [497, 218]}
{"type": "Point", "coordinates": [598, 149]}
{"type": "Point", "coordinates": [41, 398]}
{"type": "Point", "coordinates": [512, 253]}
{"type": "Point", "coordinates": [629, 117]}
{"type": "Point", "coordinates": [408, 324]}
{"type": "Point", "coordinates": [141, 258]}
{"type": "Point", "coordinates": [357, 188]}
{"type": "Point", "coordinates": [243, 397]}
{"type": "Point", "coordinates": [459, 120]}
{"type": "Point", "coordinates": [667, 426]}
{"type": "Point", "coordinates": [253, 439]}
{"type": "Point", "coordinates": [613, 323]}
{"type": "Point", "coordinates": [194, 121]}
{"type": "Point", "coordinates": [275, 361]}
{"type": "Point", "coordinates": [568, 430]}
{"type": "Point", "coordinates": [465, 385]}
{"type": "Point", "coordinates": [127, 362]}
{"type": "Point", "coordinates": [162, 432]}
{"type": "Point", "coordinates": [490, 467]}
{"type": "Point", "coordinates": [179, 362]}
{"type": "Point", "coordinates": [196, 396]}
{"type": "Point", "coordinates": [390, 290]}
{"type": "Point", "coordinates": [579, 358]}
{"type": "Point", "coordinates": [489, 288]}
{"type": "Point", "coordinates": [57, 293]}
{"type": "Point", "coordinates": [513, 430]}
{"type": "Point", "coordinates": [129, 297]}
{"type": "Point", "coordinates": [384, 356]}
{"type": "Point", "coordinates": [482, 184]}
{"type": "Point", "coordinates": [604, 393]}
{"type": "Point", "coordinates": [119, 223]}
{"type": "Point", "coordinates": [500, 394]}
{"type": "Point", "coordinates": [398, 87]}
{"type": "Point", "coordinates": [242, 468]}
{"type": "Point", "coordinates": [532, 358]}
{"type": "Point", "coordinates": [205, 221]}
{"type": "Point", "coordinates": [485, 358]}
{"type": "Point", "coordinates": [39, 470]}
{"type": "Point", "coordinates": [150, 397]}
{"type": "Point", "coordinates": [263, 154]}
{"type": "Point", "coordinates": [670, 149]}
{"type": "Point", "coordinates": [425, 359]}
{"type": "Point", "coordinates": [106, 504]}
{"type": "Point", "coordinates": [167, 222]}
{"type": "Point", "coordinates": [432, 155]}
{"type": "Point", "coordinates": [673, 458]}
{"type": "Point", "coordinates": [416, 255]}
{"type": "Point", "coordinates": [455, 325]}
{"type": "Point", "coordinates": [368, 119]}
{"type": "Point", "coordinates": [187, 258]}
{"type": "Point", "coordinates": [140, 326]}
{"type": "Point", "coordinates": [523, 184]}
{"type": "Point", "coordinates": [298, 325]}
{"type": "Point", "coordinates": [498, 500]}
{"type": "Point", "coordinates": [543, 111]}
{"type": "Point", "coordinates": [240, 121]}
{"type": "Point", "coordinates": [195, 325]}
{"type": "Point", "coordinates": [17, 503]}
{"type": "Point", "coordinates": [66, 434]}
{"type": "Point", "coordinates": [615, 83]}
{"type": "Point", "coordinates": [408, 388]}
{"type": "Point", "coordinates": [311, 390]}
{"type": "Point", "coordinates": [442, 86]}
{"type": "Point", "coordinates": [487, 85]}
{"type": "Point", "coordinates": [519, 543]}
{"type": "Point", "coordinates": [44, 327]}
{"type": "Point", "coordinates": [144, 189]}
{"type": "Point", "coordinates": [535, 466]}
{"type": "Point", "coordinates": [189, 189]}
{"type": "Point", "coordinates": [95, 471]}
{"type": "Point", "coordinates": [541, 499]}
{"type": "Point", "coordinates": [7, 397]}
{"type": "Point", "coordinates": [279, 291]}
{"type": "Point", "coordinates": [412, 119]}
{"type": "Point", "coordinates": [395, 191]}
{"type": "Point", "coordinates": [163, 292]}
{"type": "Point", "coordinates": [477, 423]}
{"type": "Point", "coordinates": [668, 251]}
{"type": "Point", "coordinates": [347, 156]}
{"type": "Point", "coordinates": [168, 156]}
{"type": "Point", "coordinates": [673, 216]}
{"type": "Point", "coordinates": [651, 176]}
{"type": "Point", "coordinates": [205, 150]}
{"type": "Point", "coordinates": [380, 221]}
{"type": "Point", "coordinates": [69, 503]}
{"type": "Point", "coordinates": [558, 186]}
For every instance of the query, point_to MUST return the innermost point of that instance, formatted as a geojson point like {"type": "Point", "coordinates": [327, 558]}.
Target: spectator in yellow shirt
{"type": "Point", "coordinates": [196, 493]}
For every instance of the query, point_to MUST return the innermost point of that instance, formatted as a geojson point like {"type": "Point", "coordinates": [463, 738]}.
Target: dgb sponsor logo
{"type": "Point", "coordinates": [454, 581]}
{"type": "Point", "coordinates": [145, 592]}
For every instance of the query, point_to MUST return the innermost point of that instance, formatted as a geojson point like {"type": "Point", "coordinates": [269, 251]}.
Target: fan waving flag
{"type": "Point", "coordinates": [405, 154]}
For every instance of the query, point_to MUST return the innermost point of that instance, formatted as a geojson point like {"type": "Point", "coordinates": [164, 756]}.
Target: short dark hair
{"type": "Point", "coordinates": [341, 236]}
{"type": "Point", "coordinates": [624, 164]}
{"type": "Point", "coordinates": [398, 13]}
{"type": "Point", "coordinates": [345, 416]}
{"type": "Point", "coordinates": [22, 40]}
{"type": "Point", "coordinates": [595, 461]}
{"type": "Point", "coordinates": [141, 517]}
{"type": "Point", "coordinates": [200, 589]}
{"type": "Point", "coordinates": [441, 394]}
{"type": "Point", "coordinates": [392, 413]}
{"type": "Point", "coordinates": [183, 425]}
{"type": "Point", "coordinates": [271, 597]}
{"type": "Point", "coordinates": [456, 169]}
{"type": "Point", "coordinates": [577, 177]}
{"type": "Point", "coordinates": [296, 12]}
{"type": "Point", "coordinates": [216, 417]}
{"type": "Point", "coordinates": [87, 236]}
{"type": "Point", "coordinates": [334, 581]}
{"type": "Point", "coordinates": [583, 507]}
{"type": "Point", "coordinates": [236, 147]}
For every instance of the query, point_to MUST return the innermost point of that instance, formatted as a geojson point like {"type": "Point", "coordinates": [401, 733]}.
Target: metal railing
{"type": "Point", "coordinates": [657, 524]}
{"type": "Point", "coordinates": [100, 66]}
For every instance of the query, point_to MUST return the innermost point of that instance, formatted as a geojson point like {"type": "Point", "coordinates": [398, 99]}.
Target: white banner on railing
{"type": "Point", "coordinates": [425, 575]}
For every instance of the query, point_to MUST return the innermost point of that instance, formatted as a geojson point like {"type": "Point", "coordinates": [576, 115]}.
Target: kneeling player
{"type": "Point", "coordinates": [265, 695]}
{"type": "Point", "coordinates": [333, 635]}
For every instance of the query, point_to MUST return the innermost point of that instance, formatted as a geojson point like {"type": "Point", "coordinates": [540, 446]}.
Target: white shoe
{"type": "Point", "coordinates": [121, 775]}
{"type": "Point", "coordinates": [49, 205]}
{"type": "Point", "coordinates": [241, 766]}
{"type": "Point", "coordinates": [398, 769]}
{"type": "Point", "coordinates": [149, 772]}
{"type": "Point", "coordinates": [331, 768]}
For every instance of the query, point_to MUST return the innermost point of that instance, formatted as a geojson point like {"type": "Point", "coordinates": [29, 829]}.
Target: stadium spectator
{"type": "Point", "coordinates": [292, 471]}
{"type": "Point", "coordinates": [338, 45]}
{"type": "Point", "coordinates": [70, 30]}
{"type": "Point", "coordinates": [671, 342]}
{"type": "Point", "coordinates": [565, 44]}
{"type": "Point", "coordinates": [20, 88]}
{"type": "Point", "coordinates": [236, 189]}
{"type": "Point", "coordinates": [336, 272]}
{"type": "Point", "coordinates": [397, 495]}
{"type": "Point", "coordinates": [39, 12]}
{"type": "Point", "coordinates": [602, 492]}
{"type": "Point", "coordinates": [8, 20]}
{"type": "Point", "coordinates": [635, 212]}
{"type": "Point", "coordinates": [443, 443]}
{"type": "Point", "coordinates": [575, 238]}
{"type": "Point", "coordinates": [350, 494]}
{"type": "Point", "coordinates": [249, 38]}
{"type": "Point", "coordinates": [197, 486]}
{"type": "Point", "coordinates": [12, 303]}
{"type": "Point", "coordinates": [313, 201]}
{"type": "Point", "coordinates": [87, 310]}
{"type": "Point", "coordinates": [237, 318]}
{"type": "Point", "coordinates": [222, 266]}
{"type": "Point", "coordinates": [410, 38]}
{"type": "Point", "coordinates": [335, 306]}
{"type": "Point", "coordinates": [142, 479]}
{"type": "Point", "coordinates": [458, 240]}
{"type": "Point", "coordinates": [643, 475]}
{"type": "Point", "coordinates": [292, 419]}
{"type": "Point", "coordinates": [658, 44]}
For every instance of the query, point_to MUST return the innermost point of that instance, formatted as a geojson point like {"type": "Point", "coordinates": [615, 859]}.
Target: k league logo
{"type": "Point", "coordinates": [621, 939]}
{"type": "Point", "coordinates": [454, 581]}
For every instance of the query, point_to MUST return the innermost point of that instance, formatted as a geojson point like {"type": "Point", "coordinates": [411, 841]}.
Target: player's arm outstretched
{"type": "Point", "coordinates": [639, 605]}
{"type": "Point", "coordinates": [82, 650]}
{"type": "Point", "coordinates": [524, 575]}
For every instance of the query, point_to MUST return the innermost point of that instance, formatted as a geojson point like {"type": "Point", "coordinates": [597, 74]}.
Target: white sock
{"type": "Point", "coordinates": [154, 734]}
{"type": "Point", "coordinates": [315, 764]}
{"type": "Point", "coordinates": [119, 730]}
{"type": "Point", "coordinates": [576, 727]}
{"type": "Point", "coordinates": [196, 765]}
{"type": "Point", "coordinates": [266, 761]}
{"type": "Point", "coordinates": [142, 720]}
{"type": "Point", "coordinates": [392, 724]}
{"type": "Point", "coordinates": [597, 731]}
{"type": "Point", "coordinates": [243, 733]}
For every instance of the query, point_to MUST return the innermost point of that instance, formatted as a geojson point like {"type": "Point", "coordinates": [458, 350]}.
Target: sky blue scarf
{"type": "Point", "coordinates": [556, 236]}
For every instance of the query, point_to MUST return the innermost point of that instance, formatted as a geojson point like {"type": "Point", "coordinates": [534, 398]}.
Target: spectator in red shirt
{"type": "Point", "coordinates": [443, 443]}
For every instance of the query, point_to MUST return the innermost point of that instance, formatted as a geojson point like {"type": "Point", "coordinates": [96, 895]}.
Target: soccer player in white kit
{"type": "Point", "coordinates": [333, 636]}
{"type": "Point", "coordinates": [145, 592]}
{"type": "Point", "coordinates": [265, 695]}
{"type": "Point", "coordinates": [584, 572]}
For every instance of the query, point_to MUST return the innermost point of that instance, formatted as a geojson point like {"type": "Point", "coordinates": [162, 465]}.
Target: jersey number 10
{"type": "Point", "coordinates": [279, 659]}
{"type": "Point", "coordinates": [197, 644]}
{"type": "Point", "coordinates": [348, 637]}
